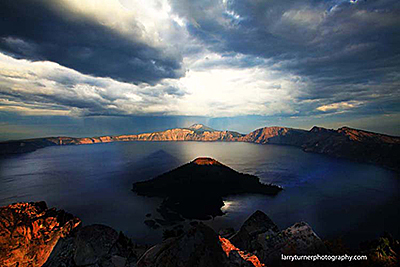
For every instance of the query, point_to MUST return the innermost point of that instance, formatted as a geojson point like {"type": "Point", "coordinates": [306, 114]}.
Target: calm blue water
{"type": "Point", "coordinates": [336, 197]}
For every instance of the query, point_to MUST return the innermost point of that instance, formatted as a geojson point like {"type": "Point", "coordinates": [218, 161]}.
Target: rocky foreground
{"type": "Point", "coordinates": [195, 190]}
{"type": "Point", "coordinates": [33, 235]}
{"type": "Point", "coordinates": [345, 142]}
{"type": "Point", "coordinates": [29, 232]}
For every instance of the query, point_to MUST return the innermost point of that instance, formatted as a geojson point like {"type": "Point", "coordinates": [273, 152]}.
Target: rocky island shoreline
{"type": "Point", "coordinates": [33, 235]}
{"type": "Point", "coordinates": [345, 142]}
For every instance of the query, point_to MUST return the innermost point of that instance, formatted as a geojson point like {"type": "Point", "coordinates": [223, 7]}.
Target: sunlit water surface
{"type": "Point", "coordinates": [337, 198]}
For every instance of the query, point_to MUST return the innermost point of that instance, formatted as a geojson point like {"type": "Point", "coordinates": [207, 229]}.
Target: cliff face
{"type": "Point", "coordinates": [33, 235]}
{"type": "Point", "coordinates": [277, 135]}
{"type": "Point", "coordinates": [29, 232]}
{"type": "Point", "coordinates": [356, 145]}
{"type": "Point", "coordinates": [368, 137]}
{"type": "Point", "coordinates": [353, 144]}
{"type": "Point", "coordinates": [297, 137]}
{"type": "Point", "coordinates": [196, 132]}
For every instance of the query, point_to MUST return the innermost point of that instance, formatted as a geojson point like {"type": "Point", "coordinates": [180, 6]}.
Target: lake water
{"type": "Point", "coordinates": [337, 198]}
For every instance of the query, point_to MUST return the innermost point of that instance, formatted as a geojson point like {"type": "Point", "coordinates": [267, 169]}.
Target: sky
{"type": "Point", "coordinates": [102, 67]}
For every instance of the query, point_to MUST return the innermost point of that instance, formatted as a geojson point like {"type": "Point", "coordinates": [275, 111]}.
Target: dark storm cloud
{"type": "Point", "coordinates": [344, 50]}
{"type": "Point", "coordinates": [38, 30]}
{"type": "Point", "coordinates": [55, 102]}
{"type": "Point", "coordinates": [315, 37]}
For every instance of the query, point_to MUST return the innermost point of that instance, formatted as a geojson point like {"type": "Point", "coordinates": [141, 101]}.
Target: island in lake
{"type": "Point", "coordinates": [195, 190]}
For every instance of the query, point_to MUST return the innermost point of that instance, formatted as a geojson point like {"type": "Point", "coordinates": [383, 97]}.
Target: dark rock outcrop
{"type": "Point", "coordinates": [384, 251]}
{"type": "Point", "coordinates": [258, 243]}
{"type": "Point", "coordinates": [259, 235]}
{"type": "Point", "coordinates": [199, 247]}
{"type": "Point", "coordinates": [29, 232]}
{"type": "Point", "coordinates": [257, 223]}
{"type": "Point", "coordinates": [298, 239]}
{"type": "Point", "coordinates": [195, 190]}
{"type": "Point", "coordinates": [95, 245]}
{"type": "Point", "coordinates": [35, 230]}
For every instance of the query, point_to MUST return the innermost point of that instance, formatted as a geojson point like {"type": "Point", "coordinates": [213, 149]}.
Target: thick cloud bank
{"type": "Point", "coordinates": [100, 39]}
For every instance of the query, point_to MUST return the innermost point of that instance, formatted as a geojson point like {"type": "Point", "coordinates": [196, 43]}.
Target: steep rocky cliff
{"type": "Point", "coordinates": [29, 231]}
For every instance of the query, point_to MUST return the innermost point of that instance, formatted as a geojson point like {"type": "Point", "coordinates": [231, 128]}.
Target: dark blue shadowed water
{"type": "Point", "coordinates": [336, 197]}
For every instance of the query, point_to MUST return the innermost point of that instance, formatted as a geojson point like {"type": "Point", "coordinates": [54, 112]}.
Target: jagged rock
{"type": "Point", "coordinates": [236, 260]}
{"type": "Point", "coordinates": [260, 235]}
{"type": "Point", "coordinates": [384, 251]}
{"type": "Point", "coordinates": [298, 239]}
{"type": "Point", "coordinates": [62, 254]}
{"type": "Point", "coordinates": [257, 223]}
{"type": "Point", "coordinates": [29, 232]}
{"type": "Point", "coordinates": [95, 245]}
{"type": "Point", "coordinates": [197, 248]}
{"type": "Point", "coordinates": [238, 257]}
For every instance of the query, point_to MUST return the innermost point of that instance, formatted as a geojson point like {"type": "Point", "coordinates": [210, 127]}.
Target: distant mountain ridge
{"type": "Point", "coordinates": [348, 143]}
